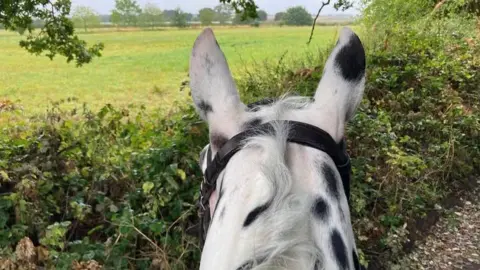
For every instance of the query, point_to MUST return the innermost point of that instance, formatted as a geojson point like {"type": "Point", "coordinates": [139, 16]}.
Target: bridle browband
{"type": "Point", "coordinates": [298, 132]}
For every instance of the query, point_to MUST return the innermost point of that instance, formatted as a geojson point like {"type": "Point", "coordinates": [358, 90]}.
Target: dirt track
{"type": "Point", "coordinates": [454, 242]}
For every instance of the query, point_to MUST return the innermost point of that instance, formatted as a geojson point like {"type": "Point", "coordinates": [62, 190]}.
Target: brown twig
{"type": "Point", "coordinates": [315, 20]}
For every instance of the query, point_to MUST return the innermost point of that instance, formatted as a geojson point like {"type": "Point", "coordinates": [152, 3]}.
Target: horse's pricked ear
{"type": "Point", "coordinates": [343, 81]}
{"type": "Point", "coordinates": [213, 89]}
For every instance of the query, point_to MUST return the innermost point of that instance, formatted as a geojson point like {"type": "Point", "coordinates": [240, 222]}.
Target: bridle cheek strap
{"type": "Point", "coordinates": [300, 133]}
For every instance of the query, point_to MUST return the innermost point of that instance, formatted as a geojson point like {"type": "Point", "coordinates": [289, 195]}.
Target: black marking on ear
{"type": "Point", "coordinates": [218, 140]}
{"type": "Point", "coordinates": [356, 261]}
{"type": "Point", "coordinates": [252, 123]}
{"type": "Point", "coordinates": [321, 209]}
{"type": "Point", "coordinates": [332, 181]}
{"type": "Point", "coordinates": [205, 107]}
{"type": "Point", "coordinates": [255, 213]}
{"type": "Point", "coordinates": [351, 59]}
{"type": "Point", "coordinates": [339, 249]}
{"type": "Point", "coordinates": [208, 64]}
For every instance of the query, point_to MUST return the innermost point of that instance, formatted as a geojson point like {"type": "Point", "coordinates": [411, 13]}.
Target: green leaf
{"type": "Point", "coordinates": [173, 183]}
{"type": "Point", "coordinates": [182, 174]}
{"type": "Point", "coordinates": [4, 176]}
{"type": "Point", "coordinates": [157, 227]}
{"type": "Point", "coordinates": [147, 187]}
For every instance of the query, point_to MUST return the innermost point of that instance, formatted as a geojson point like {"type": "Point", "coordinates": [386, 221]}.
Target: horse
{"type": "Point", "coordinates": [275, 193]}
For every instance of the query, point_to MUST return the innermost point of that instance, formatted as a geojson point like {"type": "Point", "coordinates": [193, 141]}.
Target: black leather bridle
{"type": "Point", "coordinates": [300, 133]}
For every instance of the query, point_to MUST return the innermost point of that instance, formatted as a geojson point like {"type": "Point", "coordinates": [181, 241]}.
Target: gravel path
{"type": "Point", "coordinates": [454, 242]}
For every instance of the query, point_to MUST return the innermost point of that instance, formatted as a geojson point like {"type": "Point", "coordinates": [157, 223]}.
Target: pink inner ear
{"type": "Point", "coordinates": [213, 202]}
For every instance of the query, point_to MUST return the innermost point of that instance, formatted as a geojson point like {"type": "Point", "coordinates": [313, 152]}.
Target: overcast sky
{"type": "Point", "coordinates": [192, 6]}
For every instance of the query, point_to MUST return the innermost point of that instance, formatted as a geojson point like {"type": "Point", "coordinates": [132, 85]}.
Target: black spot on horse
{"type": "Point", "coordinates": [317, 265]}
{"type": "Point", "coordinates": [331, 178]}
{"type": "Point", "coordinates": [252, 123]}
{"type": "Point", "coordinates": [208, 64]}
{"type": "Point", "coordinates": [205, 107]}
{"type": "Point", "coordinates": [339, 249]}
{"type": "Point", "coordinates": [255, 213]}
{"type": "Point", "coordinates": [218, 140]}
{"type": "Point", "coordinates": [321, 209]}
{"type": "Point", "coordinates": [351, 59]}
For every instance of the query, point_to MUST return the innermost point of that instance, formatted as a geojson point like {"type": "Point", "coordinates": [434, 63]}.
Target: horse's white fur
{"type": "Point", "coordinates": [268, 168]}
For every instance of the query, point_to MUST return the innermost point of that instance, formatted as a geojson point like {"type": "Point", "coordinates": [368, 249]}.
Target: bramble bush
{"type": "Point", "coordinates": [119, 186]}
{"type": "Point", "coordinates": [105, 186]}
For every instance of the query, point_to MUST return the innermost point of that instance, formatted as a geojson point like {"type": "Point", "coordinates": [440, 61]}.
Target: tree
{"type": "Point", "coordinates": [152, 15]}
{"type": "Point", "coordinates": [279, 16]}
{"type": "Point", "coordinates": [57, 35]}
{"type": "Point", "coordinates": [116, 17]}
{"type": "Point", "coordinates": [189, 16]}
{"type": "Point", "coordinates": [223, 13]}
{"type": "Point", "coordinates": [85, 17]}
{"type": "Point", "coordinates": [240, 18]}
{"type": "Point", "coordinates": [244, 8]}
{"type": "Point", "coordinates": [126, 12]}
{"type": "Point", "coordinates": [179, 18]}
{"type": "Point", "coordinates": [206, 16]}
{"type": "Point", "coordinates": [297, 16]}
{"type": "Point", "coordinates": [168, 15]}
{"type": "Point", "coordinates": [262, 15]}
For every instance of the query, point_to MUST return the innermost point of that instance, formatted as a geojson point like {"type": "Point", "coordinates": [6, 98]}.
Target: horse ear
{"type": "Point", "coordinates": [341, 88]}
{"type": "Point", "coordinates": [214, 91]}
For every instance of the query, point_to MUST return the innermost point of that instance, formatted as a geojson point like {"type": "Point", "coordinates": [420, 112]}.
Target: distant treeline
{"type": "Point", "coordinates": [127, 13]}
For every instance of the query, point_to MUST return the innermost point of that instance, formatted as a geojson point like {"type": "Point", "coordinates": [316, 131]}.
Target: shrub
{"type": "Point", "coordinates": [107, 186]}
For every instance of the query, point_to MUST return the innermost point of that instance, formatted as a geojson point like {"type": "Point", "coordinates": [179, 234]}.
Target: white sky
{"type": "Point", "coordinates": [192, 6]}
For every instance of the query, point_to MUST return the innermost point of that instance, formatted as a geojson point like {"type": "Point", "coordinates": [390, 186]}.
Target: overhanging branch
{"type": "Point", "coordinates": [315, 20]}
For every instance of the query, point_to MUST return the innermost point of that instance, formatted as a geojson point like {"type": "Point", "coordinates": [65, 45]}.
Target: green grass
{"type": "Point", "coordinates": [139, 67]}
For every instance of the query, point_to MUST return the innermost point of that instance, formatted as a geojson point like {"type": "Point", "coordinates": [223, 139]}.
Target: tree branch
{"type": "Point", "coordinates": [315, 20]}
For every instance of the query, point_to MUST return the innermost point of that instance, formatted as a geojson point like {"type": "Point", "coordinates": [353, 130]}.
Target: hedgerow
{"type": "Point", "coordinates": [119, 187]}
{"type": "Point", "coordinates": [105, 186]}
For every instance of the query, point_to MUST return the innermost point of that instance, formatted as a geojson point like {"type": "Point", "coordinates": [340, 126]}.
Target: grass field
{"type": "Point", "coordinates": [140, 67]}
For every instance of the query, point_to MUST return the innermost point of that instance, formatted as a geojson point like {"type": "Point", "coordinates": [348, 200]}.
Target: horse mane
{"type": "Point", "coordinates": [289, 213]}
